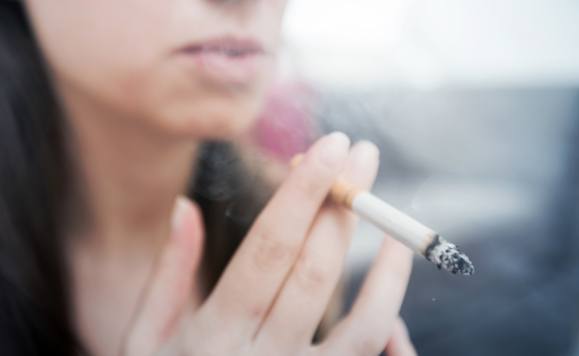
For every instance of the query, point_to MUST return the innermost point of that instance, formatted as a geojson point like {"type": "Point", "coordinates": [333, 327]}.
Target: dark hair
{"type": "Point", "coordinates": [35, 179]}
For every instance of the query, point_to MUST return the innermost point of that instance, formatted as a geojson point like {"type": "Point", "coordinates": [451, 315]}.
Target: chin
{"type": "Point", "coordinates": [223, 127]}
{"type": "Point", "coordinates": [217, 120]}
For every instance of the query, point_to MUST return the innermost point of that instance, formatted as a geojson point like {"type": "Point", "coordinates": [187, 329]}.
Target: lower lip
{"type": "Point", "coordinates": [232, 70]}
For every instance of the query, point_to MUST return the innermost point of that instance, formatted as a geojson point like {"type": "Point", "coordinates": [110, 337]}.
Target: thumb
{"type": "Point", "coordinates": [172, 282]}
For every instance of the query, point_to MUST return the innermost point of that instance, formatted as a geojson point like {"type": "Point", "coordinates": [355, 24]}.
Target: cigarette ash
{"type": "Point", "coordinates": [446, 255]}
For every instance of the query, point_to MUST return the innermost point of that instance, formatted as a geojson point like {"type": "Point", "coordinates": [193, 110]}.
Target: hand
{"type": "Point", "coordinates": [400, 344]}
{"type": "Point", "coordinates": [275, 289]}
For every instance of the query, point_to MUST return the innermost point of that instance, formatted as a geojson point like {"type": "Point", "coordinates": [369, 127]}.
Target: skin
{"type": "Point", "coordinates": [137, 112]}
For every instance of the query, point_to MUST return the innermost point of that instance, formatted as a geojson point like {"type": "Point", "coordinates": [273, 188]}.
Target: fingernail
{"type": "Point", "coordinates": [179, 212]}
{"type": "Point", "coordinates": [334, 148]}
{"type": "Point", "coordinates": [364, 153]}
{"type": "Point", "coordinates": [363, 164]}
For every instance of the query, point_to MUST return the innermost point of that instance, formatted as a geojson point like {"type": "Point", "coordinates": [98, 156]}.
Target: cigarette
{"type": "Point", "coordinates": [416, 236]}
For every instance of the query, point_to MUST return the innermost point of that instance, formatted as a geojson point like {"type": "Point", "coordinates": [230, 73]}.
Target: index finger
{"type": "Point", "coordinates": [170, 287]}
{"type": "Point", "coordinates": [257, 271]}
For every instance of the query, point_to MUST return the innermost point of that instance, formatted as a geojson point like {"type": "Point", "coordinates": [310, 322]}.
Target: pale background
{"type": "Point", "coordinates": [475, 106]}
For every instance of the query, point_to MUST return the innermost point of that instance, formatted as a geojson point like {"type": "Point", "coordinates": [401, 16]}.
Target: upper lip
{"type": "Point", "coordinates": [227, 44]}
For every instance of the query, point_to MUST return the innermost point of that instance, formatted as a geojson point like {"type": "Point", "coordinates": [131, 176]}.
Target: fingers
{"type": "Point", "coordinates": [254, 276]}
{"type": "Point", "coordinates": [305, 296]}
{"type": "Point", "coordinates": [400, 344]}
{"type": "Point", "coordinates": [171, 284]}
{"type": "Point", "coordinates": [366, 330]}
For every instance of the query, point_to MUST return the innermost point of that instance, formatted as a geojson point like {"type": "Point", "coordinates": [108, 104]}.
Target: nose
{"type": "Point", "coordinates": [226, 1]}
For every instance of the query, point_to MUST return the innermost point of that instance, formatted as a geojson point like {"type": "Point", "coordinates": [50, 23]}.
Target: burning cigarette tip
{"type": "Point", "coordinates": [445, 255]}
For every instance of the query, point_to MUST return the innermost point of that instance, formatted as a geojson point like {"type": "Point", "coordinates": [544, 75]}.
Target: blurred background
{"type": "Point", "coordinates": [475, 106]}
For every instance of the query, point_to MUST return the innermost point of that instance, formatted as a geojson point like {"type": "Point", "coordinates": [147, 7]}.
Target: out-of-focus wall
{"type": "Point", "coordinates": [427, 44]}
{"type": "Point", "coordinates": [475, 107]}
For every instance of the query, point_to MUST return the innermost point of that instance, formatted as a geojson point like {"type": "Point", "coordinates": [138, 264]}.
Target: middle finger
{"type": "Point", "coordinates": [305, 295]}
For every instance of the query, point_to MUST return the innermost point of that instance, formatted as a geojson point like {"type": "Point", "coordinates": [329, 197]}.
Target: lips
{"type": "Point", "coordinates": [227, 46]}
{"type": "Point", "coordinates": [228, 60]}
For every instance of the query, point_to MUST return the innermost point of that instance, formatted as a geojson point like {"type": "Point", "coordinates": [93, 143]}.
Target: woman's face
{"type": "Point", "coordinates": [194, 67]}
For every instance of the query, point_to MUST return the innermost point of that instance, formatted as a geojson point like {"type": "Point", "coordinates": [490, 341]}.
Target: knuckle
{"type": "Point", "coordinates": [310, 186]}
{"type": "Point", "coordinates": [311, 274]}
{"type": "Point", "coordinates": [272, 251]}
{"type": "Point", "coordinates": [315, 179]}
{"type": "Point", "coordinates": [367, 346]}
{"type": "Point", "coordinates": [216, 340]}
{"type": "Point", "coordinates": [136, 346]}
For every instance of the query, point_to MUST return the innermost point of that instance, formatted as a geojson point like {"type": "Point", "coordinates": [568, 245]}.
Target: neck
{"type": "Point", "coordinates": [128, 177]}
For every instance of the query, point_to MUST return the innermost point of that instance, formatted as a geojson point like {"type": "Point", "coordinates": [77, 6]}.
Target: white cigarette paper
{"type": "Point", "coordinates": [392, 221]}
{"type": "Point", "coordinates": [410, 232]}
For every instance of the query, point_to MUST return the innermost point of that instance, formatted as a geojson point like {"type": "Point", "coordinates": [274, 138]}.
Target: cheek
{"type": "Point", "coordinates": [121, 64]}
{"type": "Point", "coordinates": [160, 95]}
{"type": "Point", "coordinates": [103, 60]}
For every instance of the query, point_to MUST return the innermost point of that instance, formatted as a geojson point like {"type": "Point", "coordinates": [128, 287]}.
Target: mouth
{"type": "Point", "coordinates": [227, 46]}
{"type": "Point", "coordinates": [229, 60]}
